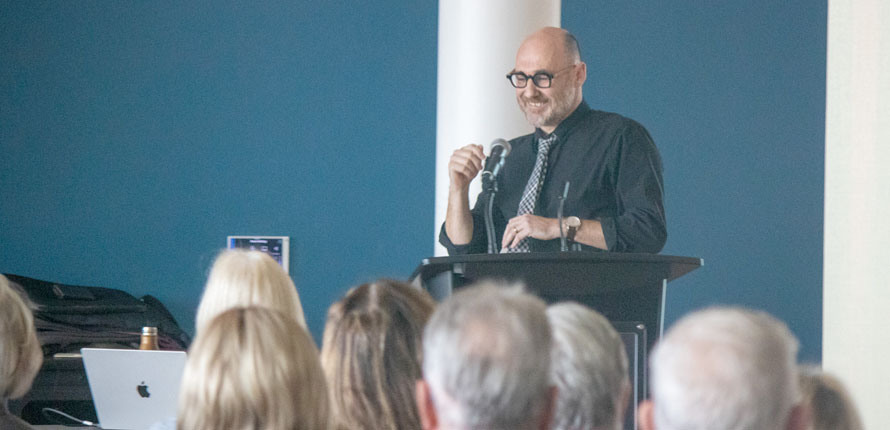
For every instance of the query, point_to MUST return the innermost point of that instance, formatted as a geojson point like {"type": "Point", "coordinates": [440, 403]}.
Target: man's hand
{"type": "Point", "coordinates": [528, 225]}
{"type": "Point", "coordinates": [464, 165]}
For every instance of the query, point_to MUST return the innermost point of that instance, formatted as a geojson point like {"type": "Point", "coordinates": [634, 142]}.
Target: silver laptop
{"type": "Point", "coordinates": [132, 389]}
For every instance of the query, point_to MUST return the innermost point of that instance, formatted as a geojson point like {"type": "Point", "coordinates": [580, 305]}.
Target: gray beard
{"type": "Point", "coordinates": [561, 108]}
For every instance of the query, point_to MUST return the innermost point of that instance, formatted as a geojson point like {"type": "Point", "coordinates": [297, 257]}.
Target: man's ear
{"type": "Point", "coordinates": [646, 415]}
{"type": "Point", "coordinates": [800, 417]}
{"type": "Point", "coordinates": [425, 408]}
{"type": "Point", "coordinates": [549, 411]}
{"type": "Point", "coordinates": [581, 73]}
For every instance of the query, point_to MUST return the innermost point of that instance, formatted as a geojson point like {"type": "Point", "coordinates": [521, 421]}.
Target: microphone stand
{"type": "Point", "coordinates": [491, 188]}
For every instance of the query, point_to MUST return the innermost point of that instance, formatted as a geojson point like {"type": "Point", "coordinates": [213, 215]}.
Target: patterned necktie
{"type": "Point", "coordinates": [533, 187]}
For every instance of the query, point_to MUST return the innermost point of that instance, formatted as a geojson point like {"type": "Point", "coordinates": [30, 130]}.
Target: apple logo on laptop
{"type": "Point", "coordinates": [143, 390]}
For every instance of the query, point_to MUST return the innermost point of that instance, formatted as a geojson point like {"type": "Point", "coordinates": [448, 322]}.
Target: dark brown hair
{"type": "Point", "coordinates": [830, 404]}
{"type": "Point", "coordinates": [371, 355]}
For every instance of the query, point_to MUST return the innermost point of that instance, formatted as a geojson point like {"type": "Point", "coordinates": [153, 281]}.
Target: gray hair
{"type": "Point", "coordinates": [487, 358]}
{"type": "Point", "coordinates": [725, 368]}
{"type": "Point", "coordinates": [589, 368]}
{"type": "Point", "coordinates": [572, 47]}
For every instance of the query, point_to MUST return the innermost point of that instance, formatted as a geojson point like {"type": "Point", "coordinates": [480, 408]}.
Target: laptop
{"type": "Point", "coordinates": [133, 389]}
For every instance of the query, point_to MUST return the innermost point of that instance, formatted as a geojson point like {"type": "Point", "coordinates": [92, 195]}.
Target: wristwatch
{"type": "Point", "coordinates": [572, 224]}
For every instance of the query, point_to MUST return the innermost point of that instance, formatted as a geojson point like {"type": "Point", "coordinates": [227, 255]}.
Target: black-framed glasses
{"type": "Point", "coordinates": [540, 79]}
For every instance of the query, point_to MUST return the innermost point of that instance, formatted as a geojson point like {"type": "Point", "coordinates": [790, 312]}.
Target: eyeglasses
{"type": "Point", "coordinates": [541, 79]}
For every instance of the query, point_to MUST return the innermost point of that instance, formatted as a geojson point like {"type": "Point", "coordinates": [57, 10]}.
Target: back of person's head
{"type": "Point", "coordinates": [829, 402]}
{"type": "Point", "coordinates": [20, 353]}
{"type": "Point", "coordinates": [589, 368]}
{"type": "Point", "coordinates": [486, 360]}
{"type": "Point", "coordinates": [725, 368]}
{"type": "Point", "coordinates": [247, 278]}
{"type": "Point", "coordinates": [250, 369]}
{"type": "Point", "coordinates": [372, 352]}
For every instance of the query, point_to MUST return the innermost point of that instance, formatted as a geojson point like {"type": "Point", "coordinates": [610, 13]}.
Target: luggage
{"type": "Point", "coordinates": [70, 317]}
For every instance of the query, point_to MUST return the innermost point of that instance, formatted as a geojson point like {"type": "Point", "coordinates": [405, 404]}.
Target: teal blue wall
{"type": "Point", "coordinates": [134, 136]}
{"type": "Point", "coordinates": [137, 135]}
{"type": "Point", "coordinates": [734, 95]}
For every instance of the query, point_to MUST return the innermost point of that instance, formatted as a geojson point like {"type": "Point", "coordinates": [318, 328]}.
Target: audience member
{"type": "Point", "coordinates": [830, 405]}
{"type": "Point", "coordinates": [248, 278]}
{"type": "Point", "coordinates": [725, 369]}
{"type": "Point", "coordinates": [371, 355]}
{"type": "Point", "coordinates": [589, 368]}
{"type": "Point", "coordinates": [250, 369]}
{"type": "Point", "coordinates": [20, 353]}
{"type": "Point", "coordinates": [486, 362]}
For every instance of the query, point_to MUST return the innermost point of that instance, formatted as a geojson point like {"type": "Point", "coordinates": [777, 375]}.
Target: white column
{"type": "Point", "coordinates": [475, 103]}
{"type": "Point", "coordinates": [856, 340]}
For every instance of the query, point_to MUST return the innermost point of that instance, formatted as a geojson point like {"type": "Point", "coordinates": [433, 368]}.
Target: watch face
{"type": "Point", "coordinates": [573, 222]}
{"type": "Point", "coordinates": [572, 225]}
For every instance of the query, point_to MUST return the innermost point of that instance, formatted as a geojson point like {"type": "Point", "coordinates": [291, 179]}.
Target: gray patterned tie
{"type": "Point", "coordinates": [533, 187]}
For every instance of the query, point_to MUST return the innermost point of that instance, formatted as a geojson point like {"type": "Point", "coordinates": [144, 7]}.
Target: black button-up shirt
{"type": "Point", "coordinates": [615, 173]}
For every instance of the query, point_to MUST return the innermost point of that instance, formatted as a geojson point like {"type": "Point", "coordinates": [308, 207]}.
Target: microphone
{"type": "Point", "coordinates": [500, 149]}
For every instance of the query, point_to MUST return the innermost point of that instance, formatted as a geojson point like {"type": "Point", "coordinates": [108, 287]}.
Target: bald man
{"type": "Point", "coordinates": [615, 195]}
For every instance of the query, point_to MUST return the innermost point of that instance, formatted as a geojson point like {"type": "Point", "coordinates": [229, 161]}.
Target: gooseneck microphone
{"type": "Point", "coordinates": [563, 243]}
{"type": "Point", "coordinates": [500, 149]}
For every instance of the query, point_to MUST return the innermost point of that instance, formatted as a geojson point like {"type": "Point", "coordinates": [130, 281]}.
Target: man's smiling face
{"type": "Point", "coordinates": [545, 108]}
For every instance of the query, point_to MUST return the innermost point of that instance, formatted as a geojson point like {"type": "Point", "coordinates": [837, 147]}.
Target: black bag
{"type": "Point", "coordinates": [70, 317]}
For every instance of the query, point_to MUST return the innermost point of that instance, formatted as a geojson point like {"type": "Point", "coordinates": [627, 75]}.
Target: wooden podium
{"type": "Point", "coordinates": [629, 289]}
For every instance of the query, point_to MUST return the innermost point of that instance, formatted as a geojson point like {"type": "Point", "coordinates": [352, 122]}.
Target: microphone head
{"type": "Point", "coordinates": [505, 147]}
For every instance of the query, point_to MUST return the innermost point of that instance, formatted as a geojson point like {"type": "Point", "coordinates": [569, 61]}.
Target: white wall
{"type": "Point", "coordinates": [475, 103]}
{"type": "Point", "coordinates": [856, 341]}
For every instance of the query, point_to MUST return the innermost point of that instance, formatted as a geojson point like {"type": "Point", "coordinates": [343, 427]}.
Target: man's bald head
{"type": "Point", "coordinates": [556, 40]}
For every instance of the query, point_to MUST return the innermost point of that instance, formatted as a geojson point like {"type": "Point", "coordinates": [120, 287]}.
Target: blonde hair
{"type": "Point", "coordinates": [20, 353]}
{"type": "Point", "coordinates": [250, 369]}
{"type": "Point", "coordinates": [247, 278]}
{"type": "Point", "coordinates": [830, 403]}
{"type": "Point", "coordinates": [372, 353]}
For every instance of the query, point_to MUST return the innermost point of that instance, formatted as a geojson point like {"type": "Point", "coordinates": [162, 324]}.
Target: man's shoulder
{"type": "Point", "coordinates": [610, 120]}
